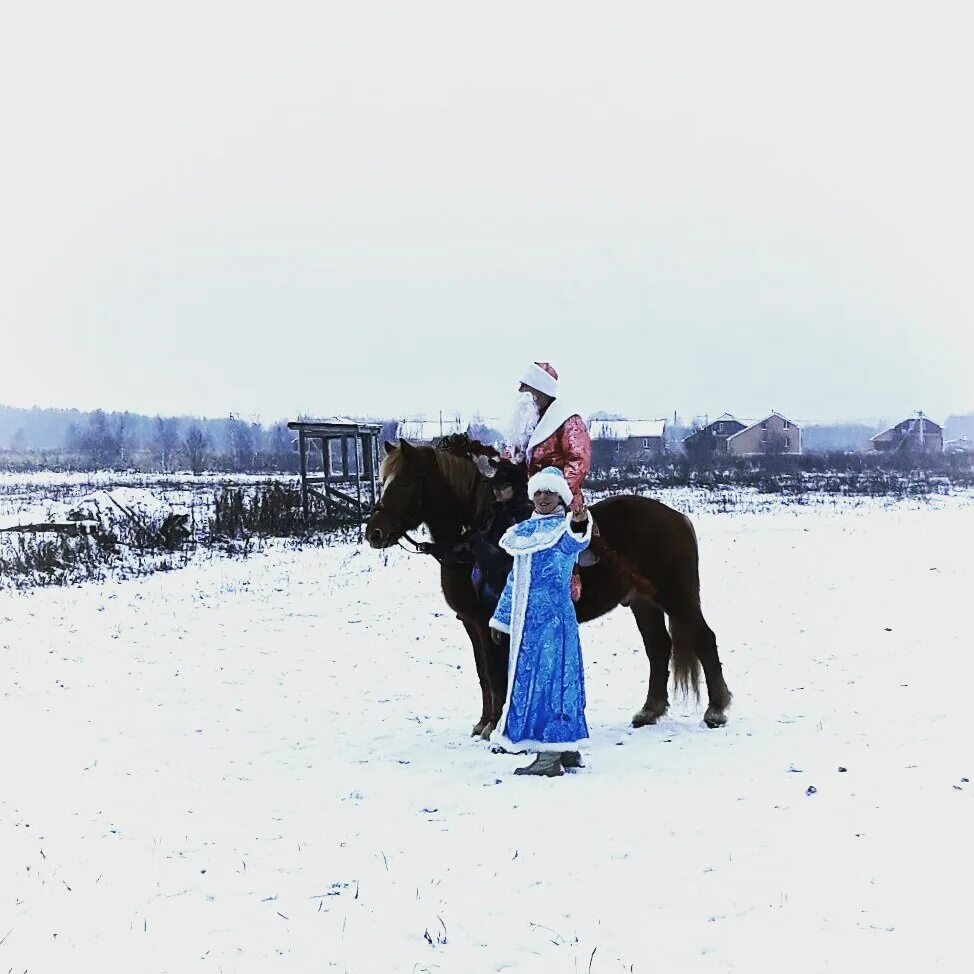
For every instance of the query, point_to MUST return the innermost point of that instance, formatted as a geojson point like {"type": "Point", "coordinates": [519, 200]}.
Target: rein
{"type": "Point", "coordinates": [412, 541]}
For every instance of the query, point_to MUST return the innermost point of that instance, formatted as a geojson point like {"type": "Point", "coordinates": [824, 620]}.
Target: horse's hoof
{"type": "Point", "coordinates": [644, 720]}
{"type": "Point", "coordinates": [487, 731]}
{"type": "Point", "coordinates": [478, 728]}
{"type": "Point", "coordinates": [649, 714]}
{"type": "Point", "coordinates": [714, 718]}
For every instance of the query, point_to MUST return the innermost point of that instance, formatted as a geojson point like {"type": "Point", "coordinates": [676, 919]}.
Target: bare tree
{"type": "Point", "coordinates": [98, 444]}
{"type": "Point", "coordinates": [165, 440]}
{"type": "Point", "coordinates": [243, 441]}
{"type": "Point", "coordinates": [281, 446]}
{"type": "Point", "coordinates": [122, 439]}
{"type": "Point", "coordinates": [195, 446]}
{"type": "Point", "coordinates": [774, 443]}
{"type": "Point", "coordinates": [241, 447]}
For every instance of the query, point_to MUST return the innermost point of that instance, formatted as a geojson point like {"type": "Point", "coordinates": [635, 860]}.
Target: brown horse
{"type": "Point", "coordinates": [449, 494]}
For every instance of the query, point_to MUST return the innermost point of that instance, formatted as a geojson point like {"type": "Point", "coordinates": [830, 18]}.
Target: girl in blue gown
{"type": "Point", "coordinates": [545, 707]}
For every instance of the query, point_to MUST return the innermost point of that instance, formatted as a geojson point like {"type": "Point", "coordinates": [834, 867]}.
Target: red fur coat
{"type": "Point", "coordinates": [561, 440]}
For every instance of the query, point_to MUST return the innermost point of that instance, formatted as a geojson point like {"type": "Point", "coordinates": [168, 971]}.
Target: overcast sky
{"type": "Point", "coordinates": [391, 208]}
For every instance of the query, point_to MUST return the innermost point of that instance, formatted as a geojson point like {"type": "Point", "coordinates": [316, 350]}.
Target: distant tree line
{"type": "Point", "coordinates": [75, 440]}
{"type": "Point", "coordinates": [168, 444]}
{"type": "Point", "coordinates": [72, 439]}
{"type": "Point", "coordinates": [69, 439]}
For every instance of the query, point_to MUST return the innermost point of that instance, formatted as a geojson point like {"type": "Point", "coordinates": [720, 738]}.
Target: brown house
{"type": "Point", "coordinates": [711, 440]}
{"type": "Point", "coordinates": [625, 442]}
{"type": "Point", "coordinates": [772, 436]}
{"type": "Point", "coordinates": [915, 435]}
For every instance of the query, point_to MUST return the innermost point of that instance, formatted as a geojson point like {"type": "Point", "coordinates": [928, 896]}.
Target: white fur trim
{"type": "Point", "coordinates": [537, 378]}
{"type": "Point", "coordinates": [586, 536]}
{"type": "Point", "coordinates": [557, 415]}
{"type": "Point", "coordinates": [547, 538]}
{"type": "Point", "coordinates": [548, 481]}
{"type": "Point", "coordinates": [552, 747]}
{"type": "Point", "coordinates": [520, 585]}
{"type": "Point", "coordinates": [500, 626]}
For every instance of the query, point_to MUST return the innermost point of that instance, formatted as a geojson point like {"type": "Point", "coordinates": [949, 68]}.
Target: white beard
{"type": "Point", "coordinates": [523, 423]}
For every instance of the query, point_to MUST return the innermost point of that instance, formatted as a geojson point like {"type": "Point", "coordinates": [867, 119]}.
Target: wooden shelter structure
{"type": "Point", "coordinates": [339, 469]}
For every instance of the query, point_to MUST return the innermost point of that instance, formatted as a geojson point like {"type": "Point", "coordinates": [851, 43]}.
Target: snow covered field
{"type": "Point", "coordinates": [34, 495]}
{"type": "Point", "coordinates": [263, 765]}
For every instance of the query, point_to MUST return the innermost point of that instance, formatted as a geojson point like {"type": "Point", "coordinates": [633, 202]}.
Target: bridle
{"type": "Point", "coordinates": [399, 532]}
{"type": "Point", "coordinates": [415, 550]}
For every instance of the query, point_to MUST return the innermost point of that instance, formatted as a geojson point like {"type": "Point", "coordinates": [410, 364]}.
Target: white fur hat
{"type": "Point", "coordinates": [543, 377]}
{"type": "Point", "coordinates": [551, 478]}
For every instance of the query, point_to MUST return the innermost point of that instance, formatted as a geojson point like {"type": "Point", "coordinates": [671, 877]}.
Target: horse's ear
{"type": "Point", "coordinates": [390, 447]}
{"type": "Point", "coordinates": [406, 447]}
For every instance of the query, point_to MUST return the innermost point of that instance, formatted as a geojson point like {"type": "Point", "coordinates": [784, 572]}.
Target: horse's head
{"type": "Point", "coordinates": [402, 506]}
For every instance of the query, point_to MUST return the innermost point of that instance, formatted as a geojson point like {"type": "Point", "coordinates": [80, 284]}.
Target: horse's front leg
{"type": "Point", "coordinates": [498, 657]}
{"type": "Point", "coordinates": [477, 637]}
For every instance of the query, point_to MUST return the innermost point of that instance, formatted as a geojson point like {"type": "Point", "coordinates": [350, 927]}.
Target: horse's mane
{"type": "Point", "coordinates": [392, 464]}
{"type": "Point", "coordinates": [460, 472]}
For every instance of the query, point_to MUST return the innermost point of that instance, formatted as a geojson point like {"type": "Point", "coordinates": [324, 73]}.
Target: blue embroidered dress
{"type": "Point", "coordinates": [545, 706]}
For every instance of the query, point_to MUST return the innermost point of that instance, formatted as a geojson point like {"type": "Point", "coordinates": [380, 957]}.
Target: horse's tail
{"type": "Point", "coordinates": [686, 669]}
{"type": "Point", "coordinates": [686, 666]}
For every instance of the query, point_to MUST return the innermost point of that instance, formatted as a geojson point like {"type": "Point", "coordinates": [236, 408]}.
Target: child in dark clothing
{"type": "Point", "coordinates": [479, 548]}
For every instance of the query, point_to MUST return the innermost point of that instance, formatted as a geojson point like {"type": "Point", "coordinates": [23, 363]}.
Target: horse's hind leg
{"type": "Point", "coordinates": [692, 637]}
{"type": "Point", "coordinates": [656, 639]}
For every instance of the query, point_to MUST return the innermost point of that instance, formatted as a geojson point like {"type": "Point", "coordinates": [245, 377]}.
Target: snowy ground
{"type": "Point", "coordinates": [262, 765]}
{"type": "Point", "coordinates": [35, 495]}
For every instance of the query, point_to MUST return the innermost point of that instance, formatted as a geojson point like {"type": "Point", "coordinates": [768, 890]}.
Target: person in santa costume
{"type": "Point", "coordinates": [547, 432]}
{"type": "Point", "coordinates": [544, 711]}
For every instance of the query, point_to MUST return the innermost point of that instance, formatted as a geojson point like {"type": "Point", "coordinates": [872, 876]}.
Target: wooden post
{"type": "Point", "coordinates": [302, 446]}
{"type": "Point", "coordinates": [358, 480]}
{"type": "Point", "coordinates": [373, 468]}
{"type": "Point", "coordinates": [326, 473]}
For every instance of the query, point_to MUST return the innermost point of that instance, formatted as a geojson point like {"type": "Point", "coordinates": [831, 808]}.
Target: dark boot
{"type": "Point", "coordinates": [547, 764]}
{"type": "Point", "coordinates": [571, 760]}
